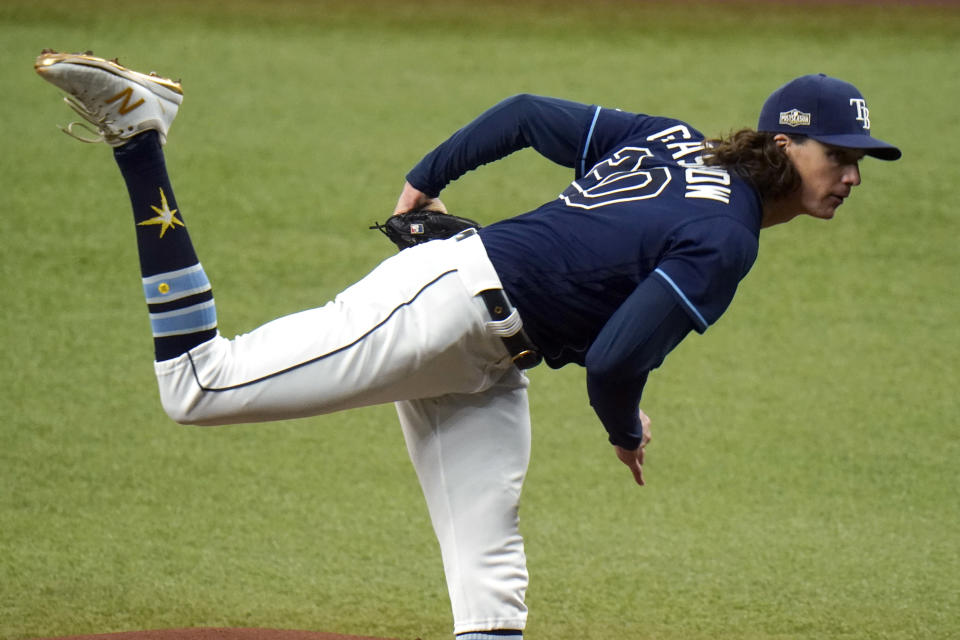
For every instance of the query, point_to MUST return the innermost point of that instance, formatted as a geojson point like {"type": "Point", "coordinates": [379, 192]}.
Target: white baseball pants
{"type": "Point", "coordinates": [415, 333]}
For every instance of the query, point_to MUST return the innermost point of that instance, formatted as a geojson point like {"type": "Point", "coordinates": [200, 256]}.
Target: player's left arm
{"type": "Point", "coordinates": [553, 127]}
{"type": "Point", "coordinates": [634, 341]}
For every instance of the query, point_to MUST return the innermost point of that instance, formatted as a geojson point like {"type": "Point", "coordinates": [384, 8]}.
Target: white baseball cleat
{"type": "Point", "coordinates": [119, 102]}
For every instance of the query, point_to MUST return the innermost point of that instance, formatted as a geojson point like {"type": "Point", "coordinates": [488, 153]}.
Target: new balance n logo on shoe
{"type": "Point", "coordinates": [125, 107]}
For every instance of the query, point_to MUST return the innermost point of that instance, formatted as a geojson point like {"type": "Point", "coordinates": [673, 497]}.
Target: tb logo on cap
{"type": "Point", "coordinates": [863, 114]}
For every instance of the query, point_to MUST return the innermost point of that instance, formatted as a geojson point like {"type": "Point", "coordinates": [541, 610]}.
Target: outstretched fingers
{"type": "Point", "coordinates": [633, 458]}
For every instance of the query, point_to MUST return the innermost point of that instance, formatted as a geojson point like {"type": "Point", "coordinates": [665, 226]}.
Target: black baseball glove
{"type": "Point", "coordinates": [415, 227]}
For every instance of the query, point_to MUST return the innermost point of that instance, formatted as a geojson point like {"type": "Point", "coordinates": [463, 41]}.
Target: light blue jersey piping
{"type": "Point", "coordinates": [583, 154]}
{"type": "Point", "coordinates": [686, 301]}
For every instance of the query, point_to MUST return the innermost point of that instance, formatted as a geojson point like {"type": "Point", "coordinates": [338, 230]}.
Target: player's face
{"type": "Point", "coordinates": [828, 174]}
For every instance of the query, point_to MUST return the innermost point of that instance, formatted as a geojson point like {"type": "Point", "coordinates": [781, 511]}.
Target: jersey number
{"type": "Point", "coordinates": [617, 179]}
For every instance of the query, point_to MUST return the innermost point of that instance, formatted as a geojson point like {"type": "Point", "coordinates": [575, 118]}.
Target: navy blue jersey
{"type": "Point", "coordinates": [644, 232]}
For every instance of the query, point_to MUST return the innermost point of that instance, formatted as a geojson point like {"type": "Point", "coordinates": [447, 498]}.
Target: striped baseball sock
{"type": "Point", "coordinates": [499, 634]}
{"type": "Point", "coordinates": [177, 291]}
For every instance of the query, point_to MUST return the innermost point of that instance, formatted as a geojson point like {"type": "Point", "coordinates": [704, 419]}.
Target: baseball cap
{"type": "Point", "coordinates": [826, 109]}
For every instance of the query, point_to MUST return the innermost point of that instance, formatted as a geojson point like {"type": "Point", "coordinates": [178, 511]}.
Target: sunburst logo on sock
{"type": "Point", "coordinates": [166, 217]}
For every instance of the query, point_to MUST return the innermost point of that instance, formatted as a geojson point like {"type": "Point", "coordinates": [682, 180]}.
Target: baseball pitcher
{"type": "Point", "coordinates": [646, 244]}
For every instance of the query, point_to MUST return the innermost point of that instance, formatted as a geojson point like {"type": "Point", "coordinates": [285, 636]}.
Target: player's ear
{"type": "Point", "coordinates": [783, 141]}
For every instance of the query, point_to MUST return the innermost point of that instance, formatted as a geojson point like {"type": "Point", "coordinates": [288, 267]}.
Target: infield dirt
{"type": "Point", "coordinates": [210, 633]}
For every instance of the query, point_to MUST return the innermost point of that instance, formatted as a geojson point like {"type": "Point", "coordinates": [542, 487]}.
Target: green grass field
{"type": "Point", "coordinates": [803, 482]}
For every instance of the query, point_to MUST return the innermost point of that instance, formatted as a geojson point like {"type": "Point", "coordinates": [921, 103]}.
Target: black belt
{"type": "Point", "coordinates": [522, 351]}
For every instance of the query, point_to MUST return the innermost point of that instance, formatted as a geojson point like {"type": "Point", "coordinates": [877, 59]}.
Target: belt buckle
{"type": "Point", "coordinates": [526, 359]}
{"type": "Point", "coordinates": [466, 233]}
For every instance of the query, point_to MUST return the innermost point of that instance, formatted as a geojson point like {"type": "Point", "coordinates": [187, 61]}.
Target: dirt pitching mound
{"type": "Point", "coordinates": [209, 633]}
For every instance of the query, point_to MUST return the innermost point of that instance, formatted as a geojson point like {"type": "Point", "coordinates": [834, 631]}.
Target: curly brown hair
{"type": "Point", "coordinates": [756, 157]}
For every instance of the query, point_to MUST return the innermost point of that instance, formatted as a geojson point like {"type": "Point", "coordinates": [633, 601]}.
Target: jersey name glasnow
{"type": "Point", "coordinates": [621, 177]}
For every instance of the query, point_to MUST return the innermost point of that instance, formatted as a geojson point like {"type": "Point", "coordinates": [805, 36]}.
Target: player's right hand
{"type": "Point", "coordinates": [634, 458]}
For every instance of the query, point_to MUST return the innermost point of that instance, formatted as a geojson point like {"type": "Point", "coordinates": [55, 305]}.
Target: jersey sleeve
{"type": "Point", "coordinates": [705, 263]}
{"type": "Point", "coordinates": [634, 341]}
{"type": "Point", "coordinates": [553, 127]}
